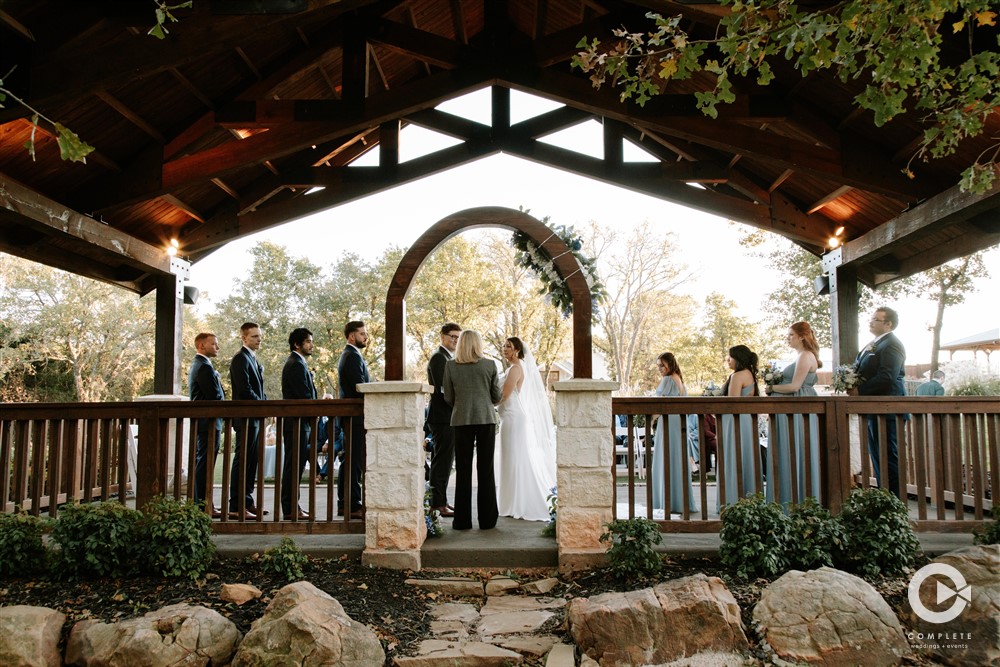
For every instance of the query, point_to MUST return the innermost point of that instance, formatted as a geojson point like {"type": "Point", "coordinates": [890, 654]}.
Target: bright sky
{"type": "Point", "coordinates": [706, 243]}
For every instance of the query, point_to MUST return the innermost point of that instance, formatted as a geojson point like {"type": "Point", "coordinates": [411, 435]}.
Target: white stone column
{"type": "Point", "coordinates": [394, 478]}
{"type": "Point", "coordinates": [584, 458]}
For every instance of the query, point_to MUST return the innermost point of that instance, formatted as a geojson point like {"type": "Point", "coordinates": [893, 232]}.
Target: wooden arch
{"type": "Point", "coordinates": [565, 262]}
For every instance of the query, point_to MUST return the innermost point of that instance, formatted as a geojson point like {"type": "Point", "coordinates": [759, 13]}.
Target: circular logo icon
{"type": "Point", "coordinates": [959, 590]}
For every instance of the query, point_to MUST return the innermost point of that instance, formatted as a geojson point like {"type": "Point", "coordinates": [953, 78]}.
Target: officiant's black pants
{"type": "Point", "coordinates": [477, 440]}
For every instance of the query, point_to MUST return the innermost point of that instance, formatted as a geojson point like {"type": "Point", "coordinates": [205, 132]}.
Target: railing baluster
{"type": "Point", "coordinates": [920, 424]}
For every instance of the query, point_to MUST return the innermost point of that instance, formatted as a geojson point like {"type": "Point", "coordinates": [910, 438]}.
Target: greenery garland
{"type": "Point", "coordinates": [532, 256]}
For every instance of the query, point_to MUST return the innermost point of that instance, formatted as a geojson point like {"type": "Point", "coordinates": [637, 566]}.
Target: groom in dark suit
{"type": "Point", "coordinates": [439, 421]}
{"type": "Point", "coordinates": [296, 383]}
{"type": "Point", "coordinates": [204, 385]}
{"type": "Point", "coordinates": [352, 370]}
{"type": "Point", "coordinates": [247, 378]}
{"type": "Point", "coordinates": [880, 366]}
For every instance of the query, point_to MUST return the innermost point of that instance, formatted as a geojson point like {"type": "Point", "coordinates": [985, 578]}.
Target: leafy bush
{"type": "Point", "coordinates": [814, 535]}
{"type": "Point", "coordinates": [989, 534]}
{"type": "Point", "coordinates": [755, 537]}
{"type": "Point", "coordinates": [21, 547]}
{"type": "Point", "coordinates": [176, 538]}
{"type": "Point", "coordinates": [549, 530]}
{"type": "Point", "coordinates": [877, 536]}
{"type": "Point", "coordinates": [631, 554]}
{"type": "Point", "coordinates": [99, 539]}
{"type": "Point", "coordinates": [285, 560]}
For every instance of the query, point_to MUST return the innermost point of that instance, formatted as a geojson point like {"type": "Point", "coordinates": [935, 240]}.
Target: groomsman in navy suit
{"type": "Point", "coordinates": [880, 366]}
{"type": "Point", "coordinates": [204, 385]}
{"type": "Point", "coordinates": [439, 421]}
{"type": "Point", "coordinates": [247, 378]}
{"type": "Point", "coordinates": [352, 370]}
{"type": "Point", "coordinates": [296, 383]}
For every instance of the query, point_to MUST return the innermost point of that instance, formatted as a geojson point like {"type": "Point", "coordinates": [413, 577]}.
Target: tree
{"type": "Point", "coordinates": [896, 46]}
{"type": "Point", "coordinates": [948, 285]}
{"type": "Point", "coordinates": [641, 275]}
{"type": "Point", "coordinates": [73, 338]}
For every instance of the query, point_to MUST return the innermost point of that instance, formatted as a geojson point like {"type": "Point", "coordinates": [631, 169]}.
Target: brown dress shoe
{"type": "Point", "coordinates": [301, 515]}
{"type": "Point", "coordinates": [445, 511]}
{"type": "Point", "coordinates": [247, 515]}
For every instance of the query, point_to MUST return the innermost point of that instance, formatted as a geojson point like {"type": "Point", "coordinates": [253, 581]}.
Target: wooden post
{"type": "Point", "coordinates": [844, 304]}
{"type": "Point", "coordinates": [167, 348]}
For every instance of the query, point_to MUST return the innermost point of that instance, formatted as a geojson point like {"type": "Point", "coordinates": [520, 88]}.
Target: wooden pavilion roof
{"type": "Point", "coordinates": [217, 131]}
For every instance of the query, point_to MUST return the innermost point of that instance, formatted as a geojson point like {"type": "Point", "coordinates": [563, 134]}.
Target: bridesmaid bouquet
{"type": "Point", "coordinates": [712, 390]}
{"type": "Point", "coordinates": [845, 377]}
{"type": "Point", "coordinates": [771, 374]}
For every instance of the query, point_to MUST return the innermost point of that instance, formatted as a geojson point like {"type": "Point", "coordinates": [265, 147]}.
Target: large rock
{"type": "Point", "coordinates": [180, 634]}
{"type": "Point", "coordinates": [829, 617]}
{"type": "Point", "coordinates": [29, 636]}
{"type": "Point", "coordinates": [973, 637]}
{"type": "Point", "coordinates": [676, 619]}
{"type": "Point", "coordinates": [304, 626]}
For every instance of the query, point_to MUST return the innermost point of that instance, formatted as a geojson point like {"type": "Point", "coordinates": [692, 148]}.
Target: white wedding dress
{"type": "Point", "coordinates": [526, 463]}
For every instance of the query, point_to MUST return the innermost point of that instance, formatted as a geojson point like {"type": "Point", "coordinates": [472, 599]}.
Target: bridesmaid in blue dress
{"type": "Point", "coordinates": [800, 378]}
{"type": "Point", "coordinates": [742, 382]}
{"type": "Point", "coordinates": [672, 384]}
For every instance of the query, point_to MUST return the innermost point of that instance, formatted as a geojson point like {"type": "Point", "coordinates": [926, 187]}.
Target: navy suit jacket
{"type": "Point", "coordinates": [247, 377]}
{"type": "Point", "coordinates": [440, 411]}
{"type": "Point", "coordinates": [351, 371]}
{"type": "Point", "coordinates": [204, 385]}
{"type": "Point", "coordinates": [296, 380]}
{"type": "Point", "coordinates": [882, 368]}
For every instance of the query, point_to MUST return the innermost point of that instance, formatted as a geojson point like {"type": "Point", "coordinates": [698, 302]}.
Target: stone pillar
{"type": "Point", "coordinates": [584, 459]}
{"type": "Point", "coordinates": [394, 479]}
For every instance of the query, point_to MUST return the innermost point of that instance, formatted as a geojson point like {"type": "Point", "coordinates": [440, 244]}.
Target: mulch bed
{"type": "Point", "coordinates": [398, 613]}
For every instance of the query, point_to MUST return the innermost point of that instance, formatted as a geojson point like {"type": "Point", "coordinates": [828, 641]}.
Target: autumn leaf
{"type": "Point", "coordinates": [986, 18]}
{"type": "Point", "coordinates": [668, 68]}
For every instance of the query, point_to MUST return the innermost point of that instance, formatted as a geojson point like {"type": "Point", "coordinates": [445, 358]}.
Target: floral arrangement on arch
{"type": "Point", "coordinates": [534, 257]}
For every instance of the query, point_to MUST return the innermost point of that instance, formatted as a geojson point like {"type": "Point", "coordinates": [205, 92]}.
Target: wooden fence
{"type": "Point", "coordinates": [947, 450]}
{"type": "Point", "coordinates": [51, 454]}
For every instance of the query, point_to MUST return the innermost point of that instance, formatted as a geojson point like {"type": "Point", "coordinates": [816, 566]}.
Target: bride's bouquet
{"type": "Point", "coordinates": [845, 377]}
{"type": "Point", "coordinates": [771, 374]}
{"type": "Point", "coordinates": [711, 389]}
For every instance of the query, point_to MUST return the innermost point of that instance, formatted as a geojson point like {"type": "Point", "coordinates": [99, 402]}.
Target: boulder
{"type": "Point", "coordinates": [304, 626]}
{"type": "Point", "coordinates": [239, 594]}
{"type": "Point", "coordinates": [829, 617]}
{"type": "Point", "coordinates": [973, 637]}
{"type": "Point", "coordinates": [676, 619]}
{"type": "Point", "coordinates": [29, 636]}
{"type": "Point", "coordinates": [179, 634]}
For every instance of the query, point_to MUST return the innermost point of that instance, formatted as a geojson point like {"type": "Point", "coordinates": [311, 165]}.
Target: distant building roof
{"type": "Point", "coordinates": [985, 340]}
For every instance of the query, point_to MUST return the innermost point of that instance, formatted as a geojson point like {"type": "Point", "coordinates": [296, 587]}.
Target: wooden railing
{"type": "Point", "coordinates": [51, 454]}
{"type": "Point", "coordinates": [947, 450]}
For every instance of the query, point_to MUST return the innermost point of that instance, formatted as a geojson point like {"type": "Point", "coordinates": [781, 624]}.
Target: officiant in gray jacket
{"type": "Point", "coordinates": [472, 387]}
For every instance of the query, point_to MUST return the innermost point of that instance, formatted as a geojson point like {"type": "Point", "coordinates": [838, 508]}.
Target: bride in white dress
{"type": "Point", "coordinates": [526, 464]}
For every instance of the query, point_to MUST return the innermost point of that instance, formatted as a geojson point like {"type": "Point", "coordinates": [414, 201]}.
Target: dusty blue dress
{"type": "Point", "coordinates": [778, 448]}
{"type": "Point", "coordinates": [728, 490]}
{"type": "Point", "coordinates": [669, 388]}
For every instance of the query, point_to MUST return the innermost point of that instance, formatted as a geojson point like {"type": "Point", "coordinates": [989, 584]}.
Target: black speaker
{"type": "Point", "coordinates": [191, 294]}
{"type": "Point", "coordinates": [821, 284]}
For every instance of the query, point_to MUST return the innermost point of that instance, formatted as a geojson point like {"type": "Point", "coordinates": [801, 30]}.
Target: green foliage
{"type": "Point", "coordinates": [631, 555]}
{"type": "Point", "coordinates": [164, 13]}
{"type": "Point", "coordinates": [99, 539]}
{"type": "Point", "coordinates": [813, 536]}
{"type": "Point", "coordinates": [553, 500]}
{"type": "Point", "coordinates": [285, 560]}
{"type": "Point", "coordinates": [755, 537]}
{"type": "Point", "coordinates": [176, 538]}
{"type": "Point", "coordinates": [989, 534]}
{"type": "Point", "coordinates": [71, 147]}
{"type": "Point", "coordinates": [896, 49]}
{"type": "Point", "coordinates": [877, 536]}
{"type": "Point", "coordinates": [21, 549]}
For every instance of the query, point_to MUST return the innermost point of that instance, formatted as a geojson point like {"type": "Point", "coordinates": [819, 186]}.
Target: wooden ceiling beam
{"type": "Point", "coordinates": [458, 21]}
{"type": "Point", "coordinates": [827, 198]}
{"type": "Point", "coordinates": [184, 206]}
{"type": "Point", "coordinates": [23, 206]}
{"type": "Point", "coordinates": [418, 44]}
{"type": "Point", "coordinates": [130, 115]}
{"type": "Point", "coordinates": [450, 125]}
{"type": "Point", "coordinates": [15, 25]}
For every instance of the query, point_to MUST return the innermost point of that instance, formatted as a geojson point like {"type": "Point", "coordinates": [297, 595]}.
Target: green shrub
{"type": "Point", "coordinates": [631, 554]}
{"type": "Point", "coordinates": [21, 548]}
{"type": "Point", "coordinates": [285, 560]}
{"type": "Point", "coordinates": [176, 538]}
{"type": "Point", "coordinates": [549, 530]}
{"type": "Point", "coordinates": [878, 537]}
{"type": "Point", "coordinates": [755, 538]}
{"type": "Point", "coordinates": [814, 535]}
{"type": "Point", "coordinates": [99, 539]}
{"type": "Point", "coordinates": [990, 533]}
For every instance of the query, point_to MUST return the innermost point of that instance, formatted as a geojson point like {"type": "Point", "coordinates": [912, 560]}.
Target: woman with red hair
{"type": "Point", "coordinates": [799, 379]}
